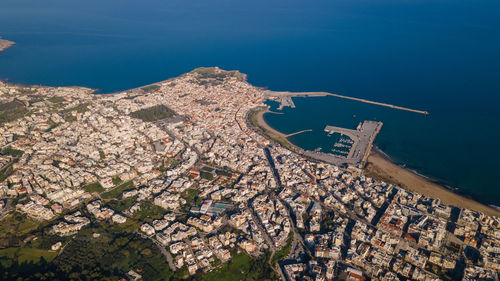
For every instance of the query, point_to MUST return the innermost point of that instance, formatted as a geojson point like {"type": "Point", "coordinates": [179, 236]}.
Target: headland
{"type": "Point", "coordinates": [4, 44]}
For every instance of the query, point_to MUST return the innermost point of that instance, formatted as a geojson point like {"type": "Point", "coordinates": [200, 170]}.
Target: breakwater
{"type": "Point", "coordinates": [285, 100]}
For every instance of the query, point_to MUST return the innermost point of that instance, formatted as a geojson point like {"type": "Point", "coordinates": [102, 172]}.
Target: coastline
{"type": "Point", "coordinates": [379, 166]}
{"type": "Point", "coordinates": [271, 132]}
{"type": "Point", "coordinates": [4, 44]}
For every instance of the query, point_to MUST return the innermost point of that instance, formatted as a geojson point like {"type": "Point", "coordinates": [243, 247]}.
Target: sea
{"type": "Point", "coordinates": [441, 56]}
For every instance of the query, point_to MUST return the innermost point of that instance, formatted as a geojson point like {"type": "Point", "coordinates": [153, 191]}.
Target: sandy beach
{"type": "Point", "coordinates": [380, 167]}
{"type": "Point", "coordinates": [272, 133]}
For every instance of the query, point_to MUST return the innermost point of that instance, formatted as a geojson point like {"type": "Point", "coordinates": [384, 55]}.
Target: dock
{"type": "Point", "coordinates": [286, 101]}
{"type": "Point", "coordinates": [363, 138]}
{"type": "Point", "coordinates": [362, 143]}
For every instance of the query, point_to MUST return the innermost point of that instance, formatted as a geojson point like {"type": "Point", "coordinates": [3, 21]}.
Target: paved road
{"type": "Point", "coordinates": [165, 253]}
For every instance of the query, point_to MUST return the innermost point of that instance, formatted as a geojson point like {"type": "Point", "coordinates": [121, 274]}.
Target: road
{"type": "Point", "coordinates": [162, 249]}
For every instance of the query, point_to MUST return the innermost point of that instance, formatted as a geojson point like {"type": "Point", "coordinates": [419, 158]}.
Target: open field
{"type": "Point", "coordinates": [22, 255]}
{"type": "Point", "coordinates": [117, 191]}
{"type": "Point", "coordinates": [240, 267]}
{"type": "Point", "coordinates": [16, 224]}
{"type": "Point", "coordinates": [94, 187]}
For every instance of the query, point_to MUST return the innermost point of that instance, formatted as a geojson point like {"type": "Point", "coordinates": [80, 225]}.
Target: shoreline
{"type": "Point", "coordinates": [380, 166]}
{"type": "Point", "coordinates": [5, 44]}
{"type": "Point", "coordinates": [259, 118]}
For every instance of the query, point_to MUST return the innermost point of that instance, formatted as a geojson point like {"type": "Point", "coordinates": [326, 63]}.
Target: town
{"type": "Point", "coordinates": [188, 148]}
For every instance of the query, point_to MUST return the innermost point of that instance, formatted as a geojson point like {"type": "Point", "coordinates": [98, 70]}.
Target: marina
{"type": "Point", "coordinates": [352, 148]}
{"type": "Point", "coordinates": [360, 140]}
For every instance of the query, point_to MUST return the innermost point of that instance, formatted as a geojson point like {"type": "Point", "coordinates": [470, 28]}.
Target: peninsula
{"type": "Point", "coordinates": [4, 44]}
{"type": "Point", "coordinates": [177, 180]}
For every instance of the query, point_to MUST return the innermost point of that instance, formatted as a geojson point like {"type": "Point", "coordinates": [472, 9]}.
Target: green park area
{"type": "Point", "coordinates": [16, 225]}
{"type": "Point", "coordinates": [98, 252]}
{"type": "Point", "coordinates": [153, 113]}
{"type": "Point", "coordinates": [10, 111]}
{"type": "Point", "coordinates": [9, 256]}
{"type": "Point", "coordinates": [150, 88]}
{"type": "Point", "coordinates": [117, 191]}
{"type": "Point", "coordinates": [240, 267]}
{"type": "Point", "coordinates": [94, 187]}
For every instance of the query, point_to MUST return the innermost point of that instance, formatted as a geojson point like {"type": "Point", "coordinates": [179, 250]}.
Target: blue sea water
{"type": "Point", "coordinates": [442, 56]}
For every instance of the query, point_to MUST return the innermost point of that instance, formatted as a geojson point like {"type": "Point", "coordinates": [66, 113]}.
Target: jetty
{"type": "Point", "coordinates": [296, 133]}
{"type": "Point", "coordinates": [285, 100]}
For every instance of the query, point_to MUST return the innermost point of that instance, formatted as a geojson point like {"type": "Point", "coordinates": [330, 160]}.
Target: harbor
{"type": "Point", "coordinates": [285, 99]}
{"type": "Point", "coordinates": [361, 140]}
{"type": "Point", "coordinates": [352, 147]}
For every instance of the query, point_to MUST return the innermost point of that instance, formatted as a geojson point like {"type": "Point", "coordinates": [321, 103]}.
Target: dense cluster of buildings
{"type": "Point", "coordinates": [331, 222]}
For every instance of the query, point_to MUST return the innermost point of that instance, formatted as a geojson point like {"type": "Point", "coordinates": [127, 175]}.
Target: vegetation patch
{"type": "Point", "coordinates": [108, 257]}
{"type": "Point", "coordinates": [12, 152]}
{"type": "Point", "coordinates": [117, 191]}
{"type": "Point", "coordinates": [150, 88]}
{"type": "Point", "coordinates": [102, 155]}
{"type": "Point", "coordinates": [94, 187]}
{"type": "Point", "coordinates": [279, 255]}
{"type": "Point", "coordinates": [218, 74]}
{"type": "Point", "coordinates": [149, 212]}
{"type": "Point", "coordinates": [122, 205]}
{"type": "Point", "coordinates": [206, 175]}
{"type": "Point", "coordinates": [10, 256]}
{"type": "Point", "coordinates": [81, 108]}
{"type": "Point", "coordinates": [207, 169]}
{"type": "Point", "coordinates": [6, 172]}
{"type": "Point", "coordinates": [45, 241]}
{"type": "Point", "coordinates": [11, 111]}
{"type": "Point", "coordinates": [241, 267]}
{"type": "Point", "coordinates": [116, 180]}
{"type": "Point", "coordinates": [16, 225]}
{"type": "Point", "coordinates": [56, 99]}
{"type": "Point", "coordinates": [192, 196]}
{"type": "Point", "coordinates": [224, 173]}
{"type": "Point", "coordinates": [153, 113]}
